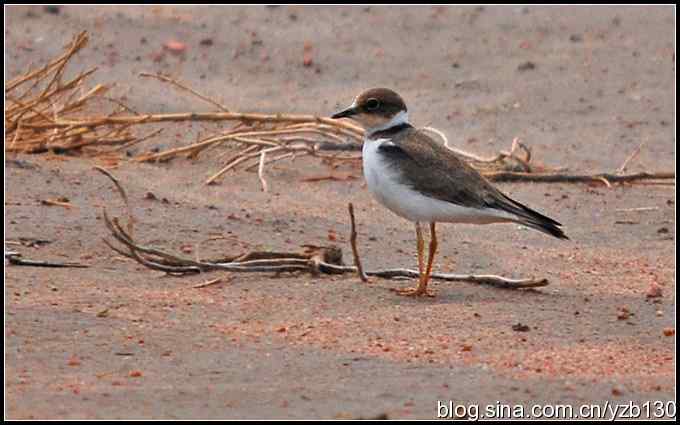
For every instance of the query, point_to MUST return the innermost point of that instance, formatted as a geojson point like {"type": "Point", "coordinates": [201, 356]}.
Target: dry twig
{"type": "Point", "coordinates": [208, 283]}
{"type": "Point", "coordinates": [123, 195]}
{"type": "Point", "coordinates": [185, 88]}
{"type": "Point", "coordinates": [638, 209]}
{"type": "Point", "coordinates": [15, 259]}
{"type": "Point", "coordinates": [353, 243]}
{"type": "Point", "coordinates": [606, 178]}
{"type": "Point", "coordinates": [260, 170]}
{"type": "Point", "coordinates": [630, 157]}
{"type": "Point", "coordinates": [316, 260]}
{"type": "Point", "coordinates": [32, 117]}
{"type": "Point", "coordinates": [56, 203]}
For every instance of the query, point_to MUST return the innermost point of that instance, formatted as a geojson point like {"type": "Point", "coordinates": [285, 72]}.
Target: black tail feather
{"type": "Point", "coordinates": [547, 228]}
{"type": "Point", "coordinates": [529, 217]}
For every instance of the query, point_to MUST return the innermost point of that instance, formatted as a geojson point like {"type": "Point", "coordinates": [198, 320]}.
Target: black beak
{"type": "Point", "coordinates": [346, 113]}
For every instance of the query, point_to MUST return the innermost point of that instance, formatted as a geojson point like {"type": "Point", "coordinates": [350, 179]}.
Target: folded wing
{"type": "Point", "coordinates": [438, 172]}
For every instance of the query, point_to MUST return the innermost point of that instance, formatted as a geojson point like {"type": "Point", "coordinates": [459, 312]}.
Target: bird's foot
{"type": "Point", "coordinates": [414, 292]}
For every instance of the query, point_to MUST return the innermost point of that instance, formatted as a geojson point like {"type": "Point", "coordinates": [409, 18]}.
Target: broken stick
{"type": "Point", "coordinates": [353, 243]}
{"type": "Point", "coordinates": [15, 259]}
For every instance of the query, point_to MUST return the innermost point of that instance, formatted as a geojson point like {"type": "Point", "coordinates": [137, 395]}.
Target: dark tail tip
{"type": "Point", "coordinates": [530, 218]}
{"type": "Point", "coordinates": [558, 233]}
{"type": "Point", "coordinates": [548, 228]}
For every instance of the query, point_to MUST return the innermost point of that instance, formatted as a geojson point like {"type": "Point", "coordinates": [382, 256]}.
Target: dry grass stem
{"type": "Point", "coordinates": [185, 88]}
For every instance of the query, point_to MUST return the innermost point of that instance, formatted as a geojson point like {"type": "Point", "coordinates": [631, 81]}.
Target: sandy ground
{"type": "Point", "coordinates": [119, 341]}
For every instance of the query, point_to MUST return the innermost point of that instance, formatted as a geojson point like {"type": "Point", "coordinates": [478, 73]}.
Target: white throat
{"type": "Point", "coordinates": [400, 118]}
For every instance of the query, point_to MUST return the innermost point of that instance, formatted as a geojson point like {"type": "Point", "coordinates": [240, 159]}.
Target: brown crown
{"type": "Point", "coordinates": [389, 102]}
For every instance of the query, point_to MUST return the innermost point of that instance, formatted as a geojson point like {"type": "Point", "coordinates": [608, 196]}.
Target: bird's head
{"type": "Point", "coordinates": [376, 109]}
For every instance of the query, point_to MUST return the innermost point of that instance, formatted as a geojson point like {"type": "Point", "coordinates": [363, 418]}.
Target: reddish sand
{"type": "Point", "coordinates": [119, 341]}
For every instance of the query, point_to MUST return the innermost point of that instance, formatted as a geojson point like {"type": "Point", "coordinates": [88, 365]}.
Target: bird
{"type": "Point", "coordinates": [423, 181]}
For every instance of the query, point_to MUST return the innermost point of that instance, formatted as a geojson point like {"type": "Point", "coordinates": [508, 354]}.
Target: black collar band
{"type": "Point", "coordinates": [386, 133]}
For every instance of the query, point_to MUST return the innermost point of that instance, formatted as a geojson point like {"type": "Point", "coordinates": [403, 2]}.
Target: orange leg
{"type": "Point", "coordinates": [420, 243]}
{"type": "Point", "coordinates": [424, 273]}
{"type": "Point", "coordinates": [430, 257]}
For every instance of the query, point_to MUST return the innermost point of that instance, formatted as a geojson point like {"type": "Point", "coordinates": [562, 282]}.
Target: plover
{"type": "Point", "coordinates": [425, 182]}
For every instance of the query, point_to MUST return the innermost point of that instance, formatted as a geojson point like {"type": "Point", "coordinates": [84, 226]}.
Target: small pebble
{"type": "Point", "coordinates": [519, 327]}
{"type": "Point", "coordinates": [654, 291]}
{"type": "Point", "coordinates": [526, 66]}
{"type": "Point", "coordinates": [623, 314]}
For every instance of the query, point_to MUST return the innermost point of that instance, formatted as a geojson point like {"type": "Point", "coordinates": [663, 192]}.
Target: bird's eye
{"type": "Point", "coordinates": [372, 104]}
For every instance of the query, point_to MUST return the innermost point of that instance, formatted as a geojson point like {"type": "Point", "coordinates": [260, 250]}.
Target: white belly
{"type": "Point", "coordinates": [383, 183]}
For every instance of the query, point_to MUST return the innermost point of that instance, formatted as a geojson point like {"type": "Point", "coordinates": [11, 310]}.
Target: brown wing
{"type": "Point", "coordinates": [433, 169]}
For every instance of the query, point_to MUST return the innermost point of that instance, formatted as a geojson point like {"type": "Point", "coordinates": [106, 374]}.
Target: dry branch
{"type": "Point", "coordinates": [315, 260]}
{"type": "Point", "coordinates": [54, 114]}
{"type": "Point", "coordinates": [504, 176]}
{"type": "Point", "coordinates": [31, 117]}
{"type": "Point", "coordinates": [36, 125]}
{"type": "Point", "coordinates": [157, 259]}
{"type": "Point", "coordinates": [15, 259]}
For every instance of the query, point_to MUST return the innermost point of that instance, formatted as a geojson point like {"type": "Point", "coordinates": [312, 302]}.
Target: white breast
{"type": "Point", "coordinates": [384, 183]}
